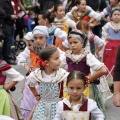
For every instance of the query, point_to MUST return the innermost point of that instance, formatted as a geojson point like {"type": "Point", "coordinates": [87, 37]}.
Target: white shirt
{"type": "Point", "coordinates": [92, 108]}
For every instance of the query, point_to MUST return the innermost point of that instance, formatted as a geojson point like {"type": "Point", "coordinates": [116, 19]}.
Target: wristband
{"type": "Point", "coordinates": [37, 95]}
{"type": "Point", "coordinates": [116, 93]}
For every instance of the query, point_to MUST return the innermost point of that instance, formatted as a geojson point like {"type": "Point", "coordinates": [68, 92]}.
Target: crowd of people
{"type": "Point", "coordinates": [71, 60]}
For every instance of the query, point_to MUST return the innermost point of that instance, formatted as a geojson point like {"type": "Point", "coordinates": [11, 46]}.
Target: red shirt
{"type": "Point", "coordinates": [16, 6]}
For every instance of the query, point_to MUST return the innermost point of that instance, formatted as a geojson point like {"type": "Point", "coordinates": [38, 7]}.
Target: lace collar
{"type": "Point", "coordinates": [76, 58]}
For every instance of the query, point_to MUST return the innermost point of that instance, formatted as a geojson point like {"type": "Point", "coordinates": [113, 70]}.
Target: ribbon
{"type": "Point", "coordinates": [42, 62]}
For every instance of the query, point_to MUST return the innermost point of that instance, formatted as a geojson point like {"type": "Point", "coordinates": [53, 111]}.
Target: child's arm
{"type": "Point", "coordinates": [99, 43]}
{"type": "Point", "coordinates": [14, 75]}
{"type": "Point", "coordinates": [31, 82]}
{"type": "Point", "coordinates": [35, 93]}
{"type": "Point", "coordinates": [96, 66]}
{"type": "Point", "coordinates": [95, 111]}
{"type": "Point", "coordinates": [23, 57]}
{"type": "Point", "coordinates": [105, 32]}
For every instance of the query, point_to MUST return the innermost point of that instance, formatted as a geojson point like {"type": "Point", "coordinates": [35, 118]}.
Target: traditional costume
{"type": "Point", "coordinates": [51, 90]}
{"type": "Point", "coordinates": [8, 106]}
{"type": "Point", "coordinates": [112, 32]}
{"type": "Point", "coordinates": [83, 110]}
{"type": "Point", "coordinates": [84, 63]}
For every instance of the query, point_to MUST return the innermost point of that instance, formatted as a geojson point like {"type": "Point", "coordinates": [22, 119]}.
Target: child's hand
{"type": "Point", "coordinates": [117, 100]}
{"type": "Point", "coordinates": [116, 30]}
{"type": "Point", "coordinates": [37, 97]}
{"type": "Point", "coordinates": [106, 38]}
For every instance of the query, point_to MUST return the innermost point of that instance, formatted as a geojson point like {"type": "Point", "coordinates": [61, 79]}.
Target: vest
{"type": "Point", "coordinates": [80, 66]}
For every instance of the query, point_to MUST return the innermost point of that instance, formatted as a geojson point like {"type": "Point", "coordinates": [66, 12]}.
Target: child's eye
{"type": "Point", "coordinates": [71, 87]}
{"type": "Point", "coordinates": [78, 88]}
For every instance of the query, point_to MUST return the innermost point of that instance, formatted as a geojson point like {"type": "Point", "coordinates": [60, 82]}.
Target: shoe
{"type": "Point", "coordinates": [11, 62]}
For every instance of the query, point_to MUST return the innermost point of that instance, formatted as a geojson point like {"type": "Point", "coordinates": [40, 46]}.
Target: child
{"type": "Point", "coordinates": [106, 13]}
{"type": "Point", "coordinates": [62, 22]}
{"type": "Point", "coordinates": [83, 12]}
{"type": "Point", "coordinates": [31, 21]}
{"type": "Point", "coordinates": [50, 78]}
{"type": "Point", "coordinates": [7, 105]}
{"type": "Point", "coordinates": [76, 101]}
{"type": "Point", "coordinates": [93, 39]}
{"type": "Point", "coordinates": [46, 19]}
{"type": "Point", "coordinates": [40, 35]}
{"type": "Point", "coordinates": [78, 58]}
{"type": "Point", "coordinates": [111, 35]}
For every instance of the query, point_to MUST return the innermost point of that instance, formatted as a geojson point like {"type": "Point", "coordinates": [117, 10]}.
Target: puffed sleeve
{"type": "Point", "coordinates": [23, 57]}
{"type": "Point", "coordinates": [60, 34]}
{"type": "Point", "coordinates": [13, 74]}
{"type": "Point", "coordinates": [93, 62]}
{"type": "Point", "coordinates": [105, 31]}
{"type": "Point", "coordinates": [71, 24]}
{"type": "Point", "coordinates": [98, 41]}
{"type": "Point", "coordinates": [59, 110]}
{"type": "Point", "coordinates": [95, 111]}
{"type": "Point", "coordinates": [63, 63]}
{"type": "Point", "coordinates": [95, 15]}
{"type": "Point", "coordinates": [29, 36]}
{"type": "Point", "coordinates": [31, 79]}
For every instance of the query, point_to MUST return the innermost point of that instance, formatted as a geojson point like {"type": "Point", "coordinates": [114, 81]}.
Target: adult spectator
{"type": "Point", "coordinates": [8, 29]}
{"type": "Point", "coordinates": [116, 79]}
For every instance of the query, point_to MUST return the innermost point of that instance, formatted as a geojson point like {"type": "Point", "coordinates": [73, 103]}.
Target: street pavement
{"type": "Point", "coordinates": [112, 111]}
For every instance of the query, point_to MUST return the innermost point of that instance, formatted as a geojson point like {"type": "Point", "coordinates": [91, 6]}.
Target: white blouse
{"type": "Point", "coordinates": [91, 61]}
{"type": "Point", "coordinates": [92, 108]}
{"type": "Point", "coordinates": [13, 74]}
{"type": "Point", "coordinates": [92, 14]}
{"type": "Point", "coordinates": [41, 76]}
{"type": "Point", "coordinates": [24, 56]}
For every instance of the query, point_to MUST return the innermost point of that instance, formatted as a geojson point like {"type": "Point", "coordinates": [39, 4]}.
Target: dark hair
{"type": "Point", "coordinates": [56, 7]}
{"type": "Point", "coordinates": [78, 2]}
{"type": "Point", "coordinates": [46, 53]}
{"type": "Point", "coordinates": [30, 13]}
{"type": "Point", "coordinates": [49, 15]}
{"type": "Point", "coordinates": [116, 9]}
{"type": "Point", "coordinates": [76, 75]}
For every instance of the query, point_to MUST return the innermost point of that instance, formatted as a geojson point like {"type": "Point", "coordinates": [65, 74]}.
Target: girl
{"type": "Point", "coordinates": [7, 105]}
{"type": "Point", "coordinates": [50, 78]}
{"type": "Point", "coordinates": [94, 40]}
{"type": "Point", "coordinates": [31, 53]}
{"type": "Point", "coordinates": [31, 21]}
{"type": "Point", "coordinates": [83, 12]}
{"type": "Point", "coordinates": [77, 58]}
{"type": "Point", "coordinates": [111, 35]}
{"type": "Point", "coordinates": [62, 22]}
{"type": "Point", "coordinates": [76, 101]}
{"type": "Point", "coordinates": [46, 19]}
{"type": "Point", "coordinates": [40, 35]}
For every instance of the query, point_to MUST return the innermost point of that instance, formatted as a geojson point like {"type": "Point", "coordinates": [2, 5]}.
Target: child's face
{"type": "Point", "coordinates": [54, 61]}
{"type": "Point", "coordinates": [60, 12]}
{"type": "Point", "coordinates": [75, 45]}
{"type": "Point", "coordinates": [75, 89]}
{"type": "Point", "coordinates": [41, 21]}
{"type": "Point", "coordinates": [32, 16]}
{"type": "Point", "coordinates": [116, 16]}
{"type": "Point", "coordinates": [82, 6]}
{"type": "Point", "coordinates": [113, 2]}
{"type": "Point", "coordinates": [39, 40]}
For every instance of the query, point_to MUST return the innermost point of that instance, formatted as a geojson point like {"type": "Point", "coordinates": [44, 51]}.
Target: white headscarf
{"type": "Point", "coordinates": [41, 30]}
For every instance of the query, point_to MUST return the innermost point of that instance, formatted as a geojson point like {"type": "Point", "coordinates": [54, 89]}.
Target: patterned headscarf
{"type": "Point", "coordinates": [79, 35]}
